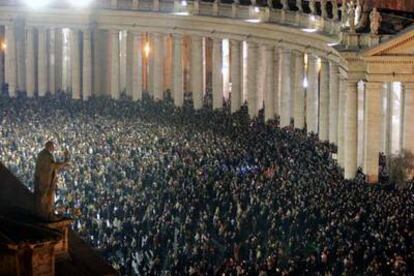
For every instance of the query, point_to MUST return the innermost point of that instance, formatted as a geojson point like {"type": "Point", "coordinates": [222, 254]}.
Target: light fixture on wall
{"type": "Point", "coordinates": [3, 46]}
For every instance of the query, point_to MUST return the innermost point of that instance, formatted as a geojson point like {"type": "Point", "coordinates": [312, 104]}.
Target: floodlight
{"type": "Point", "coordinates": [37, 4]}
{"type": "Point", "coordinates": [80, 3]}
{"type": "Point", "coordinates": [184, 3]}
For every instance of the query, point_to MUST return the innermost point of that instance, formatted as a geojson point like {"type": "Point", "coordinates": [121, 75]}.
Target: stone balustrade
{"type": "Point", "coordinates": [289, 16]}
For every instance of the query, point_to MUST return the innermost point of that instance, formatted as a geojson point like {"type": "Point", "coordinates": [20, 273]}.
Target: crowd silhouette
{"type": "Point", "coordinates": [166, 191]}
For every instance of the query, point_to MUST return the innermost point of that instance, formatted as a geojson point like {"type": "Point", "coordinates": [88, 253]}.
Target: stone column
{"type": "Point", "coordinates": [312, 95]}
{"type": "Point", "coordinates": [30, 62]}
{"type": "Point", "coordinates": [269, 87]}
{"type": "Point", "coordinates": [135, 4]}
{"type": "Point", "coordinates": [75, 64]}
{"type": "Point", "coordinates": [408, 129]}
{"type": "Point", "coordinates": [115, 67]}
{"type": "Point", "coordinates": [158, 68]}
{"type": "Point", "coordinates": [20, 56]}
{"type": "Point", "coordinates": [286, 90]}
{"type": "Point", "coordinates": [299, 92]}
{"type": "Point", "coordinates": [197, 71]}
{"type": "Point", "coordinates": [251, 84]}
{"type": "Point", "coordinates": [87, 65]}
{"type": "Point", "coordinates": [341, 120]}
{"type": "Point", "coordinates": [277, 76]}
{"type": "Point", "coordinates": [333, 102]}
{"type": "Point", "coordinates": [58, 59]}
{"type": "Point", "coordinates": [137, 67]}
{"type": "Point", "coordinates": [2, 65]}
{"type": "Point", "coordinates": [217, 73]}
{"type": "Point", "coordinates": [236, 71]}
{"type": "Point", "coordinates": [372, 130]}
{"type": "Point", "coordinates": [335, 15]}
{"type": "Point", "coordinates": [389, 125]}
{"type": "Point", "coordinates": [324, 9]}
{"type": "Point", "coordinates": [178, 88]}
{"type": "Point", "coordinates": [52, 59]}
{"type": "Point", "coordinates": [351, 131]}
{"type": "Point", "coordinates": [129, 62]}
{"type": "Point", "coordinates": [42, 72]}
{"type": "Point", "coordinates": [324, 101]}
{"type": "Point", "coordinates": [11, 61]}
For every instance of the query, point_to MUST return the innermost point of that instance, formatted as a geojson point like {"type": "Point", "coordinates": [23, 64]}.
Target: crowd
{"type": "Point", "coordinates": [159, 190]}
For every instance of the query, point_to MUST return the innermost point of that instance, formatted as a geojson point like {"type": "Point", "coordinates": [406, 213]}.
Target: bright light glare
{"type": "Point", "coordinates": [147, 49]}
{"type": "Point", "coordinates": [310, 30]}
{"type": "Point", "coordinates": [333, 44]}
{"type": "Point", "coordinates": [184, 3]}
{"type": "Point", "coordinates": [80, 3]}
{"type": "Point", "coordinates": [256, 9]}
{"type": "Point", "coordinates": [37, 4]}
{"type": "Point", "coordinates": [253, 20]}
{"type": "Point", "coordinates": [3, 46]}
{"type": "Point", "coordinates": [305, 83]}
{"type": "Point", "coordinates": [181, 13]}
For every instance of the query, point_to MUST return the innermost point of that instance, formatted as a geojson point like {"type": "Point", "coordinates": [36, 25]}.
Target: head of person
{"type": "Point", "coordinates": [50, 146]}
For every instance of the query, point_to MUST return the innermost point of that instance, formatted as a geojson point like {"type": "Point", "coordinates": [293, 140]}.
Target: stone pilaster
{"type": "Point", "coordinates": [197, 71]}
{"type": "Point", "coordinates": [351, 130]}
{"type": "Point", "coordinates": [178, 87]}
{"type": "Point", "coordinates": [75, 64]}
{"type": "Point", "coordinates": [87, 65]}
{"type": "Point", "coordinates": [408, 129]}
{"type": "Point", "coordinates": [286, 90]}
{"type": "Point", "coordinates": [236, 71]}
{"type": "Point", "coordinates": [299, 91]}
{"type": "Point", "coordinates": [333, 102]}
{"type": "Point", "coordinates": [42, 72]}
{"type": "Point", "coordinates": [158, 68]}
{"type": "Point", "coordinates": [30, 62]}
{"type": "Point", "coordinates": [11, 60]}
{"type": "Point", "coordinates": [252, 79]}
{"type": "Point", "coordinates": [115, 66]}
{"type": "Point", "coordinates": [217, 73]}
{"type": "Point", "coordinates": [269, 87]}
{"type": "Point", "coordinates": [324, 101]}
{"type": "Point", "coordinates": [312, 95]}
{"type": "Point", "coordinates": [372, 130]}
{"type": "Point", "coordinates": [137, 67]}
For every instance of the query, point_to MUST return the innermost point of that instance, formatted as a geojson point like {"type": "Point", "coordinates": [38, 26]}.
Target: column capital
{"type": "Point", "coordinates": [297, 52]}
{"type": "Point", "coordinates": [374, 85]}
{"type": "Point", "coordinates": [235, 42]}
{"type": "Point", "coordinates": [408, 86]}
{"type": "Point", "coordinates": [196, 37]}
{"type": "Point", "coordinates": [177, 36]}
{"type": "Point", "coordinates": [286, 50]}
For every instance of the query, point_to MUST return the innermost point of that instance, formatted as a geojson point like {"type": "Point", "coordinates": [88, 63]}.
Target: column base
{"type": "Point", "coordinates": [372, 179]}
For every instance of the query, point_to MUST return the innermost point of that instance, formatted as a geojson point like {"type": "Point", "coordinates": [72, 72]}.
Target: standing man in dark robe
{"type": "Point", "coordinates": [45, 180]}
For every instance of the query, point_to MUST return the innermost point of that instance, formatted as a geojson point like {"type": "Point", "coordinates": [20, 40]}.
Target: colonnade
{"type": "Point", "coordinates": [295, 85]}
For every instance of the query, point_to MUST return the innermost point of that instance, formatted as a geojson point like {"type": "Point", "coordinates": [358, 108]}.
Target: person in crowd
{"type": "Point", "coordinates": [164, 191]}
